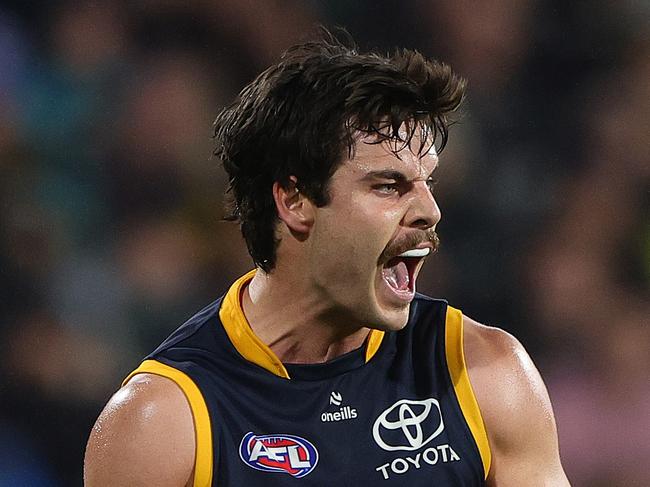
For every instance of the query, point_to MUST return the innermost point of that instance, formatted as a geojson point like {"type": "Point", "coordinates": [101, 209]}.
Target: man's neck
{"type": "Point", "coordinates": [295, 323]}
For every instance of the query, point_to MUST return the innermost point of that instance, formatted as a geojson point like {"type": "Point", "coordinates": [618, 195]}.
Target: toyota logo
{"type": "Point", "coordinates": [408, 425]}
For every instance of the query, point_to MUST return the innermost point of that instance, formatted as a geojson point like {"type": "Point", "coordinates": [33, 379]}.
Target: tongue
{"type": "Point", "coordinates": [396, 274]}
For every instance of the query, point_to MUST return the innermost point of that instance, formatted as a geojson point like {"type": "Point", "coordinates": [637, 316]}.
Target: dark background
{"type": "Point", "coordinates": [110, 203]}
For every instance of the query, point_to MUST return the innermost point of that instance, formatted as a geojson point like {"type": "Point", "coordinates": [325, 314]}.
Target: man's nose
{"type": "Point", "coordinates": [423, 211]}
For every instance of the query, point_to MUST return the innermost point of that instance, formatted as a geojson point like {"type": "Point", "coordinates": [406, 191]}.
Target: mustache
{"type": "Point", "coordinates": [409, 241]}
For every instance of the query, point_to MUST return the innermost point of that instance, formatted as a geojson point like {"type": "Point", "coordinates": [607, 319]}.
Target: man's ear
{"type": "Point", "coordinates": [294, 208]}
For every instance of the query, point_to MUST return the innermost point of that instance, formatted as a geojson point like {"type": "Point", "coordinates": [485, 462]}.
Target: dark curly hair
{"type": "Point", "coordinates": [300, 117]}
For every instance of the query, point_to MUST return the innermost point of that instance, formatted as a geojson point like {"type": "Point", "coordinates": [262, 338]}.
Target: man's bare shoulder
{"type": "Point", "coordinates": [515, 406]}
{"type": "Point", "coordinates": [500, 367]}
{"type": "Point", "coordinates": [144, 436]}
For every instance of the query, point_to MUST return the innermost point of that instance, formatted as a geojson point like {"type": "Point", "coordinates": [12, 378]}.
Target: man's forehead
{"type": "Point", "coordinates": [370, 156]}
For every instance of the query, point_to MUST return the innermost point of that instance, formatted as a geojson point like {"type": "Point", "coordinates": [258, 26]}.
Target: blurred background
{"type": "Point", "coordinates": [110, 201]}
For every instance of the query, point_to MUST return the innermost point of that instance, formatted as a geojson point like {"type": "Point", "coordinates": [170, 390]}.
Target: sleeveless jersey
{"type": "Point", "coordinates": [400, 411]}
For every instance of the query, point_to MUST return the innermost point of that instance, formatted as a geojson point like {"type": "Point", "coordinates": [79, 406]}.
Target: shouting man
{"type": "Point", "coordinates": [323, 366]}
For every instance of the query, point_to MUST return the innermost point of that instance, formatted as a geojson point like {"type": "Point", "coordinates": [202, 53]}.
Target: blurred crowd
{"type": "Point", "coordinates": [111, 203]}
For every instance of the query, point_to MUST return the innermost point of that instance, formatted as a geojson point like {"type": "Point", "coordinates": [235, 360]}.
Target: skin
{"type": "Point", "coordinates": [328, 281]}
{"type": "Point", "coordinates": [339, 289]}
{"type": "Point", "coordinates": [515, 407]}
{"type": "Point", "coordinates": [143, 437]}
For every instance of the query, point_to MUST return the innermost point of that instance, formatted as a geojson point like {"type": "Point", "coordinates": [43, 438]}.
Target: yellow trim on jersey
{"type": "Point", "coordinates": [241, 334]}
{"type": "Point", "coordinates": [250, 346]}
{"type": "Point", "coordinates": [202, 426]}
{"type": "Point", "coordinates": [462, 386]}
{"type": "Point", "coordinates": [374, 341]}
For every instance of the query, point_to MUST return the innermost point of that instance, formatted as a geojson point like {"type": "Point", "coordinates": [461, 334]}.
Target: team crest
{"type": "Point", "coordinates": [278, 453]}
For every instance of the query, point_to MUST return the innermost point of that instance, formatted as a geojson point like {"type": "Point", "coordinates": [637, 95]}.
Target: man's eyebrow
{"type": "Point", "coordinates": [386, 174]}
{"type": "Point", "coordinates": [392, 174]}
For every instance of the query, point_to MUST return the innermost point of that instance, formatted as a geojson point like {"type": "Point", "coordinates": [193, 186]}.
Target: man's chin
{"type": "Point", "coordinates": [393, 319]}
{"type": "Point", "coordinates": [392, 307]}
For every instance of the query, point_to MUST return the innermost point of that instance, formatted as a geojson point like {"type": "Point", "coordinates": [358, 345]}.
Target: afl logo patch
{"type": "Point", "coordinates": [278, 453]}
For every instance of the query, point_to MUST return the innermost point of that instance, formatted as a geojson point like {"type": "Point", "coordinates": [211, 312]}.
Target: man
{"type": "Point", "coordinates": [322, 366]}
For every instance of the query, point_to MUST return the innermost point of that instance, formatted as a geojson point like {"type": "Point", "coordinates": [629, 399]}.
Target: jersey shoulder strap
{"type": "Point", "coordinates": [455, 355]}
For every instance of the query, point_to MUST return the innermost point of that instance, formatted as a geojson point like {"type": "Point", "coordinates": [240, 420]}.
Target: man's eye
{"type": "Point", "coordinates": [385, 188]}
{"type": "Point", "coordinates": [431, 183]}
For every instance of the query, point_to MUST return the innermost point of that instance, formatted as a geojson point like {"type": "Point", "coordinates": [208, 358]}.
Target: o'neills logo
{"type": "Point", "coordinates": [342, 414]}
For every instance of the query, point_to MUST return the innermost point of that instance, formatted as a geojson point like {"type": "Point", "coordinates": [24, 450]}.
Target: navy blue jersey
{"type": "Point", "coordinates": [398, 411]}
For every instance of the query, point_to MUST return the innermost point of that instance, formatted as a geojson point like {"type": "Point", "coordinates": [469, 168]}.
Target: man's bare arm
{"type": "Point", "coordinates": [143, 437]}
{"type": "Point", "coordinates": [516, 410]}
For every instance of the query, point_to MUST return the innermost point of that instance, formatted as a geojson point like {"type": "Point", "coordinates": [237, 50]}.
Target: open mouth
{"type": "Point", "coordinates": [399, 272]}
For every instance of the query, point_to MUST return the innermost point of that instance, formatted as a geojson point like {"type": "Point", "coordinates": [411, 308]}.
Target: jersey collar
{"type": "Point", "coordinates": [250, 346]}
